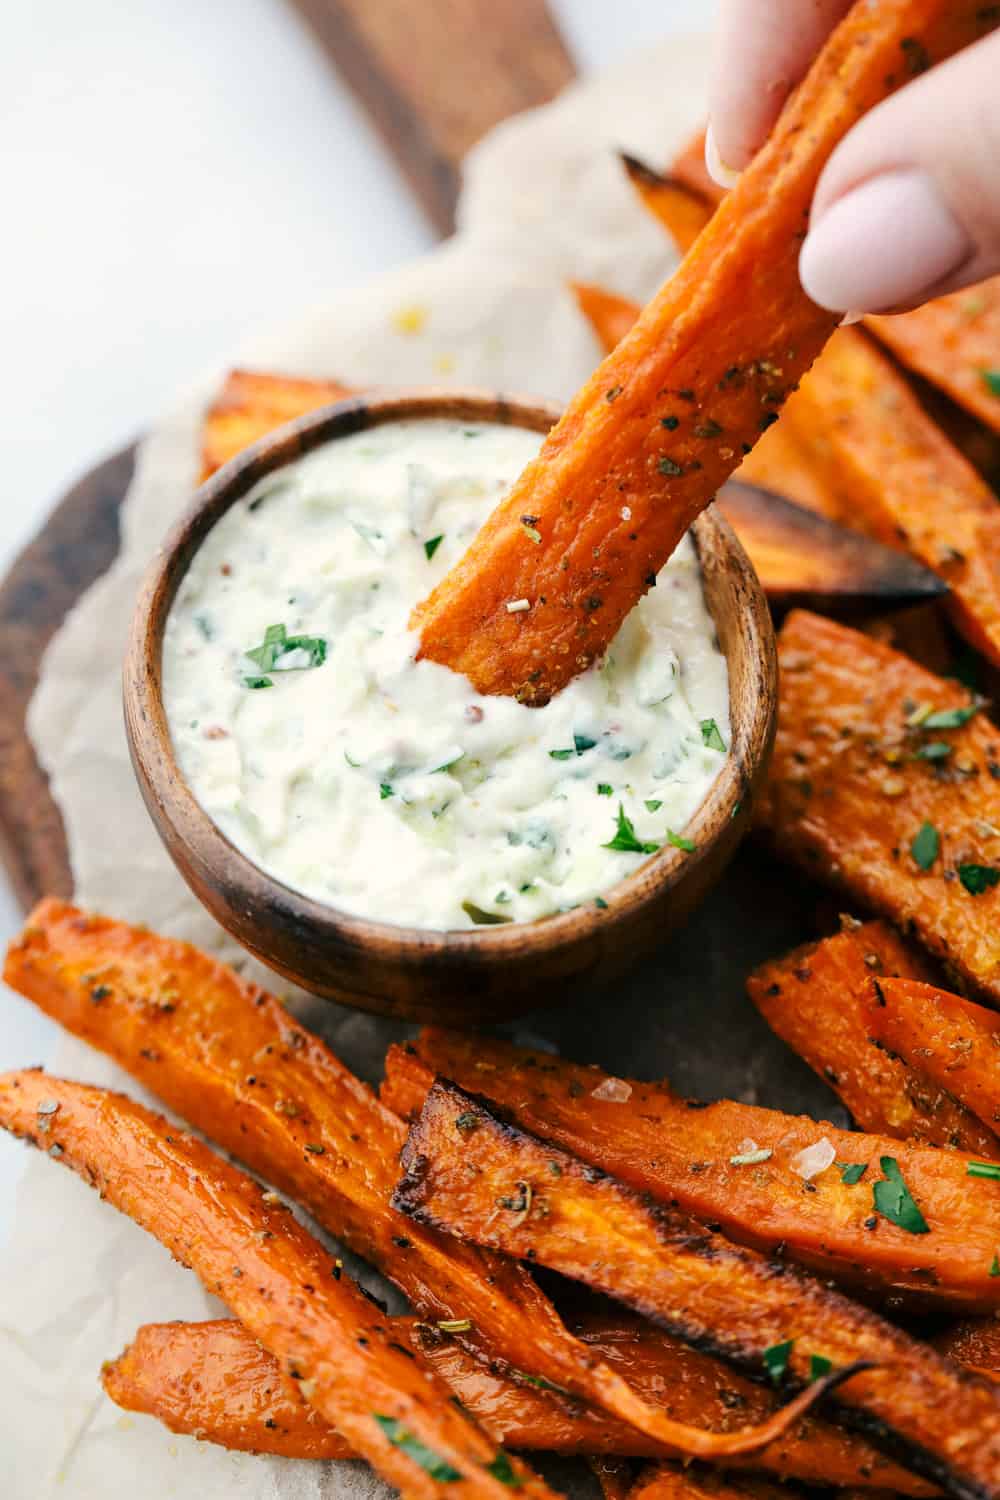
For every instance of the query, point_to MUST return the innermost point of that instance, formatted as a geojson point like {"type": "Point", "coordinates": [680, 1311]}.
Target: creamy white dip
{"type": "Point", "coordinates": [387, 787]}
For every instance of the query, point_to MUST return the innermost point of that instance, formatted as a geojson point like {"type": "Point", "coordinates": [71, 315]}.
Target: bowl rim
{"type": "Point", "coordinates": [165, 786]}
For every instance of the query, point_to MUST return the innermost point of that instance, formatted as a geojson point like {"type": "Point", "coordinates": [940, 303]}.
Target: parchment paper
{"type": "Point", "coordinates": [545, 200]}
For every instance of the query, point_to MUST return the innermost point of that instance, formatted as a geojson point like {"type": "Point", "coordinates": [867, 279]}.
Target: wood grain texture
{"type": "Point", "coordinates": [78, 543]}
{"type": "Point", "coordinates": [435, 78]}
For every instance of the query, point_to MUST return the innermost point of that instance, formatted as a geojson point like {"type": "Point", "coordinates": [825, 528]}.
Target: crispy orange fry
{"type": "Point", "coordinates": [804, 560]}
{"type": "Point", "coordinates": [669, 414]}
{"type": "Point", "coordinates": [953, 1041]}
{"type": "Point", "coordinates": [777, 462]}
{"type": "Point", "coordinates": [214, 1380]}
{"type": "Point", "coordinates": [251, 404]}
{"type": "Point", "coordinates": [954, 342]}
{"type": "Point", "coordinates": [897, 477]}
{"type": "Point", "coordinates": [231, 1060]}
{"type": "Point", "coordinates": [815, 998]}
{"type": "Point", "coordinates": [738, 1167]}
{"type": "Point", "coordinates": [865, 755]}
{"type": "Point", "coordinates": [856, 446]}
{"type": "Point", "coordinates": [682, 211]}
{"type": "Point", "coordinates": [277, 1279]}
{"type": "Point", "coordinates": [469, 1173]}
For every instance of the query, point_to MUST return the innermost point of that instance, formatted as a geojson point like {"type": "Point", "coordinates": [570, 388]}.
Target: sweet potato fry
{"type": "Point", "coordinates": [250, 405]}
{"type": "Point", "coordinates": [953, 1041]}
{"type": "Point", "coordinates": [214, 1380]}
{"type": "Point", "coordinates": [609, 315]}
{"type": "Point", "coordinates": [951, 342]}
{"type": "Point", "coordinates": [804, 560]}
{"type": "Point", "coordinates": [746, 1170]}
{"type": "Point", "coordinates": [865, 758]}
{"type": "Point", "coordinates": [682, 212]}
{"type": "Point", "coordinates": [231, 1060]}
{"type": "Point", "coordinates": [276, 1278]}
{"type": "Point", "coordinates": [955, 343]}
{"type": "Point", "coordinates": [856, 446]}
{"type": "Point", "coordinates": [467, 1172]}
{"type": "Point", "coordinates": [898, 478]}
{"type": "Point", "coordinates": [666, 418]}
{"type": "Point", "coordinates": [776, 463]}
{"type": "Point", "coordinates": [815, 998]}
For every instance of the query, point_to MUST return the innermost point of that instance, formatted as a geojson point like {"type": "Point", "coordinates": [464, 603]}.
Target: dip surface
{"type": "Point", "coordinates": [387, 787]}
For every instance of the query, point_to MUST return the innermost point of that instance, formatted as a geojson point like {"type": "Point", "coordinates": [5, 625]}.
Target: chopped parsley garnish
{"type": "Point", "coordinates": [281, 652]}
{"type": "Point", "coordinates": [851, 1172]}
{"type": "Point", "coordinates": [581, 742]}
{"type": "Point", "coordinates": [776, 1360]}
{"type": "Point", "coordinates": [670, 423]}
{"type": "Point", "coordinates": [453, 760]}
{"type": "Point", "coordinates": [926, 846]}
{"type": "Point", "coordinates": [710, 735]}
{"type": "Point", "coordinates": [385, 790]}
{"type": "Point", "coordinates": [407, 1442]}
{"type": "Point", "coordinates": [983, 1169]}
{"type": "Point", "coordinates": [540, 1381]}
{"type": "Point", "coordinates": [991, 379]}
{"type": "Point", "coordinates": [532, 532]}
{"type": "Point", "coordinates": [431, 545]}
{"type": "Point", "coordinates": [466, 1123]}
{"type": "Point", "coordinates": [819, 1366]}
{"type": "Point", "coordinates": [668, 467]}
{"type": "Point", "coordinates": [482, 918]}
{"type": "Point", "coordinates": [995, 1265]}
{"type": "Point", "coordinates": [680, 842]}
{"type": "Point", "coordinates": [600, 903]}
{"type": "Point", "coordinates": [978, 879]}
{"type": "Point", "coordinates": [936, 750]}
{"type": "Point", "coordinates": [950, 718]}
{"type": "Point", "coordinates": [605, 789]}
{"type": "Point", "coordinates": [625, 840]}
{"type": "Point", "coordinates": [653, 805]}
{"type": "Point", "coordinates": [502, 1469]}
{"type": "Point", "coordinates": [894, 1201]}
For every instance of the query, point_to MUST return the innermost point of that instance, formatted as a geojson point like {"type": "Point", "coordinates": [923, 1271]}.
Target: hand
{"type": "Point", "coordinates": [908, 206]}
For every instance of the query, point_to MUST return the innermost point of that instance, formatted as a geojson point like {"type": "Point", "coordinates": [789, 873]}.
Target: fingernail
{"type": "Point", "coordinates": [887, 242]}
{"type": "Point", "coordinates": [726, 177]}
{"type": "Point", "coordinates": [849, 319]}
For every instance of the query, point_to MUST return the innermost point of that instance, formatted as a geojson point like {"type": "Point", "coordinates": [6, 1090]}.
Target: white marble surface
{"type": "Point", "coordinates": [138, 142]}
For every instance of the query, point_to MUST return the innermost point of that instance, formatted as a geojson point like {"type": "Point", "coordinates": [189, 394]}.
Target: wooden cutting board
{"type": "Point", "coordinates": [433, 79]}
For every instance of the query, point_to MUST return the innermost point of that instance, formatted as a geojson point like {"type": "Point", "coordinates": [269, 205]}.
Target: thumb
{"type": "Point", "coordinates": [908, 206]}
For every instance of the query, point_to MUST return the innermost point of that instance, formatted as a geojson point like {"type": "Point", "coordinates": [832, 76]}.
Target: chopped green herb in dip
{"type": "Point", "coordinates": [385, 786]}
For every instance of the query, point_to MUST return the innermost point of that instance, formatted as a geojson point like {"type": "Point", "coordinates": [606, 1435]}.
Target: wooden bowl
{"type": "Point", "coordinates": [459, 977]}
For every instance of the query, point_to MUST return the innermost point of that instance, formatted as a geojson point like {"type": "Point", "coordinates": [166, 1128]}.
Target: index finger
{"type": "Point", "coordinates": [762, 50]}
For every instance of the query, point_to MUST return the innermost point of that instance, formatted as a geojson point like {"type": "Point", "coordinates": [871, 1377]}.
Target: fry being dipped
{"type": "Point", "coordinates": [670, 413]}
